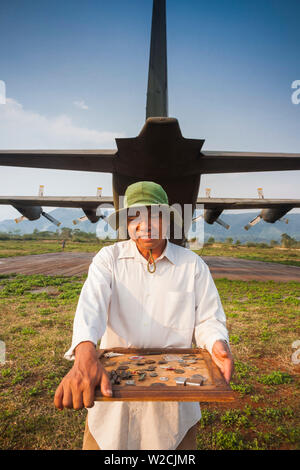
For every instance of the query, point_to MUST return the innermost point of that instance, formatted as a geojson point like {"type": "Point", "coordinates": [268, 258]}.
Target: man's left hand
{"type": "Point", "coordinates": [223, 358]}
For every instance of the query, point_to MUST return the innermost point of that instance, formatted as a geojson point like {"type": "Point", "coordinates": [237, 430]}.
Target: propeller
{"type": "Point", "coordinates": [270, 215]}
{"type": "Point", "coordinates": [51, 219]}
{"type": "Point", "coordinates": [34, 212]}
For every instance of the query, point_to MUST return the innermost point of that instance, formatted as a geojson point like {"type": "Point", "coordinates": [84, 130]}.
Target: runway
{"type": "Point", "coordinates": [72, 263]}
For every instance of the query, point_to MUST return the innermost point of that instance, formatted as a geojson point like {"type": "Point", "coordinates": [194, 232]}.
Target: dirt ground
{"type": "Point", "coordinates": [74, 264]}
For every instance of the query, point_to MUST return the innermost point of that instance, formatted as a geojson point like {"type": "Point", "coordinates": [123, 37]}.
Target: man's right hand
{"type": "Point", "coordinates": [77, 388]}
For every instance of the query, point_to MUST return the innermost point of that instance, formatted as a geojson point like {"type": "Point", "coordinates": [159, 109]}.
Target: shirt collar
{"type": "Point", "coordinates": [130, 250]}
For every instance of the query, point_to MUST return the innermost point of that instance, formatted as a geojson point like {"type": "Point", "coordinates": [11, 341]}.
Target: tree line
{"type": "Point", "coordinates": [77, 235]}
{"type": "Point", "coordinates": [65, 233]}
{"type": "Point", "coordinates": [285, 242]}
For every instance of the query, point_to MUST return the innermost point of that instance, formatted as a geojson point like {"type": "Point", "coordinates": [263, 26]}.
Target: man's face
{"type": "Point", "coordinates": [147, 228]}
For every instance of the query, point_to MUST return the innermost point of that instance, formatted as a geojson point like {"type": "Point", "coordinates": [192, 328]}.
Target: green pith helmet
{"type": "Point", "coordinates": [141, 194]}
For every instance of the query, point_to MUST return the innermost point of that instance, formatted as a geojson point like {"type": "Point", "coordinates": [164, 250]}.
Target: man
{"type": "Point", "coordinates": [143, 292]}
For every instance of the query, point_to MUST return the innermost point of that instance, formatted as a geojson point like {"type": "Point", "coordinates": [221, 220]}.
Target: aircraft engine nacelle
{"type": "Point", "coordinates": [30, 212]}
{"type": "Point", "coordinates": [274, 214]}
{"type": "Point", "coordinates": [93, 215]}
{"type": "Point", "coordinates": [212, 215]}
{"type": "Point", "coordinates": [269, 215]}
{"type": "Point", "coordinates": [34, 213]}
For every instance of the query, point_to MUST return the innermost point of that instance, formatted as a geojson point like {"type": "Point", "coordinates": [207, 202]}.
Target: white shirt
{"type": "Point", "coordinates": [126, 306]}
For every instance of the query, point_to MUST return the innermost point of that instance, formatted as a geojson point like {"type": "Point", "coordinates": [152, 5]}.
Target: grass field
{"type": "Point", "coordinates": [10, 248]}
{"type": "Point", "coordinates": [36, 325]}
{"type": "Point", "coordinates": [290, 256]}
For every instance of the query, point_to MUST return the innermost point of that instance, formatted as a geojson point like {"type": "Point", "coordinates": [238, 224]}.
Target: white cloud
{"type": "Point", "coordinates": [80, 104]}
{"type": "Point", "coordinates": [25, 129]}
{"type": "Point", "coordinates": [21, 128]}
{"type": "Point", "coordinates": [2, 92]}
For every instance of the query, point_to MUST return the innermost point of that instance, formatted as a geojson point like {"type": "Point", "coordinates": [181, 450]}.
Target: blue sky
{"type": "Point", "coordinates": [76, 77]}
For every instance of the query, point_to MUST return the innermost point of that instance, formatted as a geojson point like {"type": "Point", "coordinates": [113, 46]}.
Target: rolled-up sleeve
{"type": "Point", "coordinates": [210, 322]}
{"type": "Point", "coordinates": [91, 313]}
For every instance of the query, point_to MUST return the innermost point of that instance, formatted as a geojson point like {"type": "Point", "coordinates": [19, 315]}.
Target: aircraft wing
{"type": "Point", "coordinates": [90, 202]}
{"type": "Point", "coordinates": [255, 203]}
{"type": "Point", "coordinates": [78, 160]}
{"type": "Point", "coordinates": [81, 202]}
{"type": "Point", "coordinates": [271, 209]}
{"type": "Point", "coordinates": [240, 162]}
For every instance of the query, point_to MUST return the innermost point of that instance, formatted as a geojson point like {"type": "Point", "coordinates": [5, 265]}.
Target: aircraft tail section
{"type": "Point", "coordinates": [157, 93]}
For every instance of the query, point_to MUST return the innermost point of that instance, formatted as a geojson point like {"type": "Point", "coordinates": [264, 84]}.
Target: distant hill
{"type": "Point", "coordinates": [262, 232]}
{"type": "Point", "coordinates": [65, 216]}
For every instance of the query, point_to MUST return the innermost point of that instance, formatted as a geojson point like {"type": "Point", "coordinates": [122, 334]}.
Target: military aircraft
{"type": "Point", "coordinates": [159, 153]}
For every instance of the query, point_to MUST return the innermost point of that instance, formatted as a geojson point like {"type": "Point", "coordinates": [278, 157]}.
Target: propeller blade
{"type": "Point", "coordinates": [80, 219]}
{"type": "Point", "coordinates": [52, 219]}
{"type": "Point", "coordinates": [253, 222]}
{"type": "Point", "coordinates": [20, 219]}
{"type": "Point", "coordinates": [221, 222]}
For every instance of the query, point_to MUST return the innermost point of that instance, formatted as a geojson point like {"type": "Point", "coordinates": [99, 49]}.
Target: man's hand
{"type": "Point", "coordinates": [223, 358]}
{"type": "Point", "coordinates": [77, 388]}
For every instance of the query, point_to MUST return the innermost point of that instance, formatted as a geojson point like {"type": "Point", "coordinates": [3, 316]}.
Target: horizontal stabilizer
{"type": "Point", "coordinates": [77, 160]}
{"type": "Point", "coordinates": [240, 162]}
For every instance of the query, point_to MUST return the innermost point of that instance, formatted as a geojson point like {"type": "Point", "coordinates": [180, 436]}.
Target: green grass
{"type": "Point", "coordinates": [9, 248]}
{"type": "Point", "coordinates": [263, 321]}
{"type": "Point", "coordinates": [275, 378]}
{"type": "Point", "coordinates": [288, 256]}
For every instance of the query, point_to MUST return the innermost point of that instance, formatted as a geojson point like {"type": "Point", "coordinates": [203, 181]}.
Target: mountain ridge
{"type": "Point", "coordinates": [262, 232]}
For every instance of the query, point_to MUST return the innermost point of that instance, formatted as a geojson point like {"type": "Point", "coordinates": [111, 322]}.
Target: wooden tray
{"type": "Point", "coordinates": [214, 388]}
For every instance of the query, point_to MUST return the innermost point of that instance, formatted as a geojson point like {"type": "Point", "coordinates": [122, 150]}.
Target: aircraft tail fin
{"type": "Point", "coordinates": [157, 93]}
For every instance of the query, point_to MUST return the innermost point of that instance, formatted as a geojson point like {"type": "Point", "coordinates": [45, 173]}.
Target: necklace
{"type": "Point", "coordinates": [151, 271]}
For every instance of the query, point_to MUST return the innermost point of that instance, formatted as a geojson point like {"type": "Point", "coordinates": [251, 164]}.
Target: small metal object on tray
{"type": "Point", "coordinates": [198, 376]}
{"type": "Point", "coordinates": [180, 380]}
{"type": "Point", "coordinates": [197, 381]}
{"type": "Point", "coordinates": [164, 379]}
{"type": "Point", "coordinates": [171, 357]}
{"type": "Point", "coordinates": [113, 354]}
{"type": "Point", "coordinates": [130, 382]}
{"type": "Point", "coordinates": [153, 374]}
